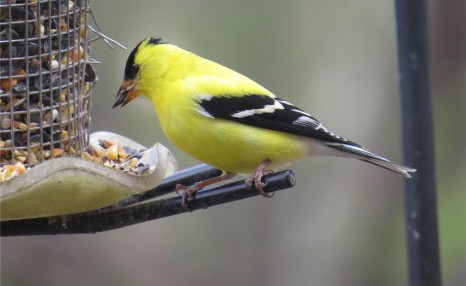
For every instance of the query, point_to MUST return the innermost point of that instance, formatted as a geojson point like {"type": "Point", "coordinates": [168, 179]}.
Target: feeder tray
{"type": "Point", "coordinates": [71, 185]}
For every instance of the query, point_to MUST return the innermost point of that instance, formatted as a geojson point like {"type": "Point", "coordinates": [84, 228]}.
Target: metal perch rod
{"type": "Point", "coordinates": [92, 222]}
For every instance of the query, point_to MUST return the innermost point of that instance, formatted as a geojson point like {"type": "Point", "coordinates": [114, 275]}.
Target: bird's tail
{"type": "Point", "coordinates": [362, 154]}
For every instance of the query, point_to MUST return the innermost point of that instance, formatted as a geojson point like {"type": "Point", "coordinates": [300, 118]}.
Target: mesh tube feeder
{"type": "Point", "coordinates": [44, 97]}
{"type": "Point", "coordinates": [46, 82]}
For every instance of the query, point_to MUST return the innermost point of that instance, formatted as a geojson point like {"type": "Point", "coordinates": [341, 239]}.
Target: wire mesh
{"type": "Point", "coordinates": [45, 80]}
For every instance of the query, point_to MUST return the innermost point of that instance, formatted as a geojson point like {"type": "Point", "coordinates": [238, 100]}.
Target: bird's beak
{"type": "Point", "coordinates": [127, 92]}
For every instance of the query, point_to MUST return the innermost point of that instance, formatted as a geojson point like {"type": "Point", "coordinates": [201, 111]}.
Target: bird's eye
{"type": "Point", "coordinates": [133, 71]}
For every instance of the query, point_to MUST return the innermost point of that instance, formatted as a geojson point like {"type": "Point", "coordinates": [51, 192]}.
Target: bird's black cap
{"type": "Point", "coordinates": [131, 69]}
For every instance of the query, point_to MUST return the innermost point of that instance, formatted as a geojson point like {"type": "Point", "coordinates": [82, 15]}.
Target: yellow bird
{"type": "Point", "coordinates": [227, 120]}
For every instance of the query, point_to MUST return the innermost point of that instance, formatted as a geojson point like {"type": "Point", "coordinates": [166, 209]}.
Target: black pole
{"type": "Point", "coordinates": [418, 143]}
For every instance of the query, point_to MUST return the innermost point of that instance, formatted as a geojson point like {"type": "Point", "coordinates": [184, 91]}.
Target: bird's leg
{"type": "Point", "coordinates": [189, 191]}
{"type": "Point", "coordinates": [257, 179]}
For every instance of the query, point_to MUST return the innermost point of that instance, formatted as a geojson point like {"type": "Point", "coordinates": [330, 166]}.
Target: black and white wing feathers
{"type": "Point", "coordinates": [267, 112]}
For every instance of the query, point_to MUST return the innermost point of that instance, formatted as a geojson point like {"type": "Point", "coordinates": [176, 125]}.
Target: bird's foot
{"type": "Point", "coordinates": [188, 192]}
{"type": "Point", "coordinates": [257, 179]}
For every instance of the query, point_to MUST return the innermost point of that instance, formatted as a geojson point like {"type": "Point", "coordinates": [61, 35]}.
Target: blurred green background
{"type": "Point", "coordinates": [343, 222]}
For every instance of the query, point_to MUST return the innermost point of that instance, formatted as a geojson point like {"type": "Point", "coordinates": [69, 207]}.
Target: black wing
{"type": "Point", "coordinates": [270, 113]}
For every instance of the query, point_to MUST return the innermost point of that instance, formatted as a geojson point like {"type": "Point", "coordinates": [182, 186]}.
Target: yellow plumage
{"type": "Point", "coordinates": [225, 119]}
{"type": "Point", "coordinates": [174, 79]}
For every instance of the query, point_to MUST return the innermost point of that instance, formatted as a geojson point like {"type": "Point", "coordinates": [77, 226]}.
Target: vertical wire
{"type": "Point", "coordinates": [82, 94]}
{"type": "Point", "coordinates": [77, 76]}
{"type": "Point", "coordinates": [27, 94]}
{"type": "Point", "coordinates": [52, 74]}
{"type": "Point", "coordinates": [72, 103]}
{"type": "Point", "coordinates": [10, 91]}
{"type": "Point", "coordinates": [63, 70]}
{"type": "Point", "coordinates": [4, 149]}
{"type": "Point", "coordinates": [87, 105]}
{"type": "Point", "coordinates": [71, 87]}
{"type": "Point", "coordinates": [42, 124]}
{"type": "Point", "coordinates": [79, 114]}
{"type": "Point", "coordinates": [70, 78]}
{"type": "Point", "coordinates": [60, 71]}
{"type": "Point", "coordinates": [88, 85]}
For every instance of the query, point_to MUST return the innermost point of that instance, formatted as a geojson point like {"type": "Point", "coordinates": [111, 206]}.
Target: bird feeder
{"type": "Point", "coordinates": [45, 83]}
{"type": "Point", "coordinates": [47, 164]}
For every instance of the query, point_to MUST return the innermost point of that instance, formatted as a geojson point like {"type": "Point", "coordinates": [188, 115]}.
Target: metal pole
{"type": "Point", "coordinates": [418, 143]}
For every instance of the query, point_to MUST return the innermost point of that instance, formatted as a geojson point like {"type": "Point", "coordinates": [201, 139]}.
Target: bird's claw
{"type": "Point", "coordinates": [188, 192]}
{"type": "Point", "coordinates": [257, 179]}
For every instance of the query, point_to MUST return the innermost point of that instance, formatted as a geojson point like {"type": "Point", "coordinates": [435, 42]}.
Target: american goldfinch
{"type": "Point", "coordinates": [227, 120]}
